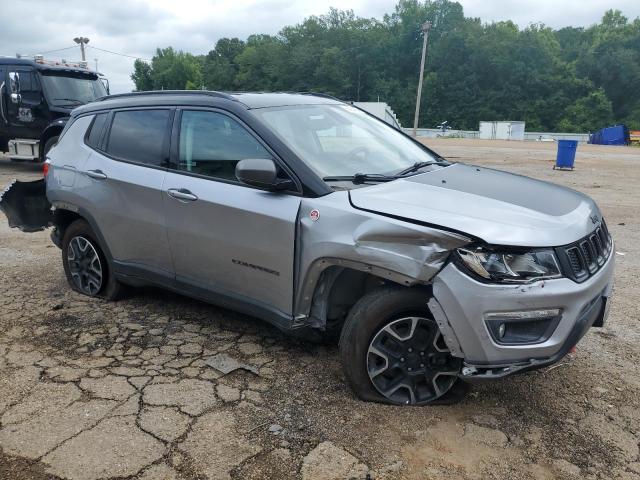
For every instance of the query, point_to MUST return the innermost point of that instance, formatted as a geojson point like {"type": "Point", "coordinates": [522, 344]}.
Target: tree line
{"type": "Point", "coordinates": [571, 79]}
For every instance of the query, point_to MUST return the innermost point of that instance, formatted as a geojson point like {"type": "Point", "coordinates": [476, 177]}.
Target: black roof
{"type": "Point", "coordinates": [249, 100]}
{"type": "Point", "coordinates": [45, 67]}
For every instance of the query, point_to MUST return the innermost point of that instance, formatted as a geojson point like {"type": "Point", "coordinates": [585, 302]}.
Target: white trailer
{"type": "Point", "coordinates": [505, 130]}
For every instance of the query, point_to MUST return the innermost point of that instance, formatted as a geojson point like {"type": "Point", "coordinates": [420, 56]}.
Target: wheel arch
{"type": "Point", "coordinates": [53, 129]}
{"type": "Point", "coordinates": [65, 214]}
{"type": "Point", "coordinates": [334, 285]}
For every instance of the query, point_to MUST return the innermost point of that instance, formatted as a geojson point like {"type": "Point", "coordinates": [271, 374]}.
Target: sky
{"type": "Point", "coordinates": [138, 27]}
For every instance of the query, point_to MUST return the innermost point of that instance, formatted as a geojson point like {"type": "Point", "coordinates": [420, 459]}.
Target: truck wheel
{"type": "Point", "coordinates": [85, 265]}
{"type": "Point", "coordinates": [392, 350]}
{"type": "Point", "coordinates": [48, 145]}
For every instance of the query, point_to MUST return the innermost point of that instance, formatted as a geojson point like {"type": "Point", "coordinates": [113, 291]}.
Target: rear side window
{"type": "Point", "coordinates": [95, 130]}
{"type": "Point", "coordinates": [139, 136]}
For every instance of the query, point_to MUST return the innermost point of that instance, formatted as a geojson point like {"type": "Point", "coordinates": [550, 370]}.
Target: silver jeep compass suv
{"type": "Point", "coordinates": [315, 216]}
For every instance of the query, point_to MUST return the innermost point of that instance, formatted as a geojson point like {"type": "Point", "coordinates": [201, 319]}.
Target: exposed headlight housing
{"type": "Point", "coordinates": [510, 267]}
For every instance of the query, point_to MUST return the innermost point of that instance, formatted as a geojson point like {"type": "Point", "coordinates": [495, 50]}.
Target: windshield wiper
{"type": "Point", "coordinates": [359, 178]}
{"type": "Point", "coordinates": [77, 102]}
{"type": "Point", "coordinates": [418, 165]}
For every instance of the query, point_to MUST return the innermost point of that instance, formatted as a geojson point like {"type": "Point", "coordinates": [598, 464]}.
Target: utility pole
{"type": "Point", "coordinates": [426, 26]}
{"type": "Point", "coordinates": [81, 41]}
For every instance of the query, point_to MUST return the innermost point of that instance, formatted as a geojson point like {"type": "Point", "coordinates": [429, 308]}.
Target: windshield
{"type": "Point", "coordinates": [341, 140]}
{"type": "Point", "coordinates": [72, 91]}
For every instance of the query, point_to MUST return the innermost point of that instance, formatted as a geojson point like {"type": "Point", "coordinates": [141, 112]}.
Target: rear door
{"type": "Point", "coordinates": [227, 237]}
{"type": "Point", "coordinates": [122, 189]}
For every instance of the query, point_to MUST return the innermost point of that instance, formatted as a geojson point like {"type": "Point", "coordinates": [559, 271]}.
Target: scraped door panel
{"type": "Point", "coordinates": [233, 239]}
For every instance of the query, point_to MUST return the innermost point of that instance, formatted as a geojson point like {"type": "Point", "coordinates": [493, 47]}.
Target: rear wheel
{"type": "Point", "coordinates": [85, 265]}
{"type": "Point", "coordinates": [392, 350]}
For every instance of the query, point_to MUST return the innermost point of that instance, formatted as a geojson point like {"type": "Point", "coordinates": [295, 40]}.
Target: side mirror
{"type": "Point", "coordinates": [14, 86]}
{"type": "Point", "coordinates": [261, 172]}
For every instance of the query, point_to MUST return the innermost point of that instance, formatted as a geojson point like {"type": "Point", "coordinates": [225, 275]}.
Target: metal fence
{"type": "Point", "coordinates": [528, 136]}
{"type": "Point", "coordinates": [580, 137]}
{"type": "Point", "coordinates": [436, 132]}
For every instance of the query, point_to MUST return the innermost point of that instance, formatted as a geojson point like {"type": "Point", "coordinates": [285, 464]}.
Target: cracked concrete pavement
{"type": "Point", "coordinates": [91, 389]}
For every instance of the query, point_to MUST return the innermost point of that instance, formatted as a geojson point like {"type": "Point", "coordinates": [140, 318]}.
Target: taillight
{"type": "Point", "coordinates": [45, 168]}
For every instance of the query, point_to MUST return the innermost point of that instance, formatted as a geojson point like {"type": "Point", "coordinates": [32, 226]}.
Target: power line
{"type": "Point", "coordinates": [116, 53]}
{"type": "Point", "coordinates": [51, 51]}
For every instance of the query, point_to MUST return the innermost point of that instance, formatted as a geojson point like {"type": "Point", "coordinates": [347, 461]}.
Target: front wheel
{"type": "Point", "coordinates": [392, 350]}
{"type": "Point", "coordinates": [49, 144]}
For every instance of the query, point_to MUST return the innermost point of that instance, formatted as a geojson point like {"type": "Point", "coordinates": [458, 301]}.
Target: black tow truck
{"type": "Point", "coordinates": [36, 98]}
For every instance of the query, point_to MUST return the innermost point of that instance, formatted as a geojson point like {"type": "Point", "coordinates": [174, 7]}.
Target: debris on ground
{"type": "Point", "coordinates": [226, 364]}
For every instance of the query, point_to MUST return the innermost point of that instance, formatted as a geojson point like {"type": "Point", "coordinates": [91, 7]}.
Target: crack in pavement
{"type": "Point", "coordinates": [149, 403]}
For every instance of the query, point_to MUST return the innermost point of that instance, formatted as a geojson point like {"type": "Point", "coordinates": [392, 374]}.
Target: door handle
{"type": "Point", "coordinates": [182, 194]}
{"type": "Point", "coordinates": [97, 174]}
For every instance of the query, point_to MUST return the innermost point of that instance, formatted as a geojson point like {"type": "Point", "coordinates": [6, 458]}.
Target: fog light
{"type": "Point", "coordinates": [501, 330]}
{"type": "Point", "coordinates": [523, 326]}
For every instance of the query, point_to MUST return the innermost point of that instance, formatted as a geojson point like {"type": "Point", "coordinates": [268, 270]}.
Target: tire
{"type": "Point", "coordinates": [48, 145]}
{"type": "Point", "coordinates": [84, 261]}
{"type": "Point", "coordinates": [375, 360]}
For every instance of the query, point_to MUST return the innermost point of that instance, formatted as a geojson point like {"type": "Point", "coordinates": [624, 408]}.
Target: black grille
{"type": "Point", "coordinates": [585, 257]}
{"type": "Point", "coordinates": [574, 259]}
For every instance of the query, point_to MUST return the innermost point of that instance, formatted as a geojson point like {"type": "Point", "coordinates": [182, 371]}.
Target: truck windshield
{"type": "Point", "coordinates": [67, 91]}
{"type": "Point", "coordinates": [341, 140]}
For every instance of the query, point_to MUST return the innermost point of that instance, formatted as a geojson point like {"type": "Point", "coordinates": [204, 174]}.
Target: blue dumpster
{"type": "Point", "coordinates": [616, 135]}
{"type": "Point", "coordinates": [566, 154]}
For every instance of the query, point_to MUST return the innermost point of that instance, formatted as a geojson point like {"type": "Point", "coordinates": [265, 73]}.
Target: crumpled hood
{"type": "Point", "coordinates": [498, 207]}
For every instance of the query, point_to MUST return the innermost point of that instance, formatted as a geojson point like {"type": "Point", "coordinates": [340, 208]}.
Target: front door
{"type": "Point", "coordinates": [28, 115]}
{"type": "Point", "coordinates": [4, 120]}
{"type": "Point", "coordinates": [226, 237]}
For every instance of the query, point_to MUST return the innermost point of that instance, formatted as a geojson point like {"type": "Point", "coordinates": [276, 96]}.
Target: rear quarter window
{"type": "Point", "coordinates": [94, 134]}
{"type": "Point", "coordinates": [139, 136]}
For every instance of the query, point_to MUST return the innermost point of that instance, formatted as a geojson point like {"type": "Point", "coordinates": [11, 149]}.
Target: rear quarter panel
{"type": "Point", "coordinates": [67, 159]}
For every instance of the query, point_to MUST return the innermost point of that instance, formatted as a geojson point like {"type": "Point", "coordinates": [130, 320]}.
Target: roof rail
{"type": "Point", "coordinates": [323, 95]}
{"type": "Point", "coordinates": [291, 92]}
{"type": "Point", "coordinates": [209, 93]}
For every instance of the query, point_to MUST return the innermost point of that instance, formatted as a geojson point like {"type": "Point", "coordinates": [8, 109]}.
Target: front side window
{"type": "Point", "coordinates": [341, 140]}
{"type": "Point", "coordinates": [29, 87]}
{"type": "Point", "coordinates": [212, 144]}
{"type": "Point", "coordinates": [139, 136]}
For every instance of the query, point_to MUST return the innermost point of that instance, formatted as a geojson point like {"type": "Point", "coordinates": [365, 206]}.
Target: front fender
{"type": "Point", "coordinates": [339, 235]}
{"type": "Point", "coordinates": [54, 129]}
{"type": "Point", "coordinates": [55, 125]}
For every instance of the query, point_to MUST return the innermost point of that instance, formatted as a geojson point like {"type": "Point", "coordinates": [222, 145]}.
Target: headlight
{"type": "Point", "coordinates": [507, 267]}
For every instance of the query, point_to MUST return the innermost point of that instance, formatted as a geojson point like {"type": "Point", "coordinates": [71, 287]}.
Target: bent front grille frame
{"type": "Point", "coordinates": [582, 259]}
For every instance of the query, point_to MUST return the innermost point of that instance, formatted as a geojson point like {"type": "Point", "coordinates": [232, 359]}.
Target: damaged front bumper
{"type": "Point", "coordinates": [462, 305]}
{"type": "Point", "coordinates": [26, 206]}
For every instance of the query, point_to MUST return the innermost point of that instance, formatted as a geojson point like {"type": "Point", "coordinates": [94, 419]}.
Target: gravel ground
{"type": "Point", "coordinates": [90, 389]}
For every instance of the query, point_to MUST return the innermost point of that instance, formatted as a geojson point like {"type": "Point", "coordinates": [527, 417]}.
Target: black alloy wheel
{"type": "Point", "coordinates": [409, 362]}
{"type": "Point", "coordinates": [84, 265]}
